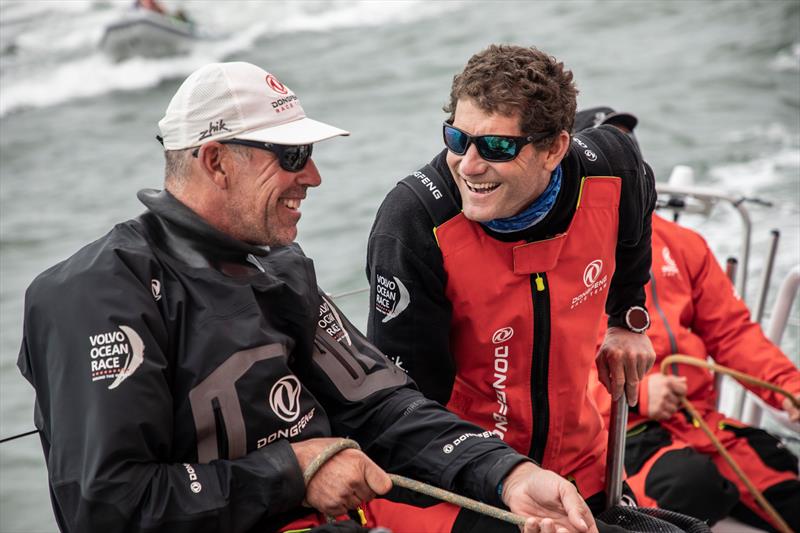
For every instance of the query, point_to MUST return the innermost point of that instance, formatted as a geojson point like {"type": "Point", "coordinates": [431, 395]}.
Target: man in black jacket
{"type": "Point", "coordinates": [188, 370]}
{"type": "Point", "coordinates": [491, 267]}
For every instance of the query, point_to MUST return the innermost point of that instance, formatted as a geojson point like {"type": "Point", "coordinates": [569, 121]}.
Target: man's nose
{"type": "Point", "coordinates": [471, 162]}
{"type": "Point", "coordinates": [309, 175]}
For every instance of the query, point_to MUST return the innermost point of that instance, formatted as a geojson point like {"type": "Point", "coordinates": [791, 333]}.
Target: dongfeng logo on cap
{"type": "Point", "coordinates": [275, 85]}
{"type": "Point", "coordinates": [284, 398]}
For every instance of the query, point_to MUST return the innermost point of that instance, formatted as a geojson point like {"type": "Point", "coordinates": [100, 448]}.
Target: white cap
{"type": "Point", "coordinates": [227, 100]}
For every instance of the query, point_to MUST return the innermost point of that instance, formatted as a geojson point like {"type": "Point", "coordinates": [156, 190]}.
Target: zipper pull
{"type": "Point", "coordinates": [539, 283]}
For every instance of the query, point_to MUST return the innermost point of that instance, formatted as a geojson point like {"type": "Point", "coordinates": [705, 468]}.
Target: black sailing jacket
{"type": "Point", "coordinates": [173, 365]}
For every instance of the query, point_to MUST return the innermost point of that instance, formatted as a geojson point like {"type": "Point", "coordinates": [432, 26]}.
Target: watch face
{"type": "Point", "coordinates": [637, 319]}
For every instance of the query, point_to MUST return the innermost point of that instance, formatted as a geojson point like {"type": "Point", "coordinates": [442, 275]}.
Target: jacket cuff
{"type": "Point", "coordinates": [617, 321]}
{"type": "Point", "coordinates": [494, 472]}
{"type": "Point", "coordinates": [282, 464]}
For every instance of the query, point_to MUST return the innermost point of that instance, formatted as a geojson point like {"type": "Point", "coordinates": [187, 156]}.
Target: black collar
{"type": "Point", "coordinates": [185, 234]}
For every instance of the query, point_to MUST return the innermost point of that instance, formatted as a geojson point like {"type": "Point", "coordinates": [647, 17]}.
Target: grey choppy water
{"type": "Point", "coordinates": [716, 85]}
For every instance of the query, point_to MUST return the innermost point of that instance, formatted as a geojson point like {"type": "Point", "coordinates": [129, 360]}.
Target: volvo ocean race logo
{"type": "Point", "coordinates": [593, 281]}
{"type": "Point", "coordinates": [115, 355]}
{"type": "Point", "coordinates": [331, 323]}
{"type": "Point", "coordinates": [669, 268]}
{"type": "Point", "coordinates": [284, 398]}
{"type": "Point", "coordinates": [391, 296]}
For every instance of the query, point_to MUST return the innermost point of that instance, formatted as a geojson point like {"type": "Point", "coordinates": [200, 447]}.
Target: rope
{"type": "Point", "coordinates": [418, 486]}
{"type": "Point", "coordinates": [692, 361]}
{"type": "Point", "coordinates": [31, 432]}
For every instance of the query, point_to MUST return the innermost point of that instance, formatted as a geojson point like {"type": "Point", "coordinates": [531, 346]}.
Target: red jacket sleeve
{"type": "Point", "coordinates": [731, 338]}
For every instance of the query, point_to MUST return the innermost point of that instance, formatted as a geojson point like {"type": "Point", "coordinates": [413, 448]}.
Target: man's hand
{"type": "Point", "coordinates": [791, 410]}
{"type": "Point", "coordinates": [664, 395]}
{"type": "Point", "coordinates": [552, 503]}
{"type": "Point", "coordinates": [622, 361]}
{"type": "Point", "coordinates": [344, 481]}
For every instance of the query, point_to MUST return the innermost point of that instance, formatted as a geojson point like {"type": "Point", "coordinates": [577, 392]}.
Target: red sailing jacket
{"type": "Point", "coordinates": [525, 317]}
{"type": "Point", "coordinates": [695, 311]}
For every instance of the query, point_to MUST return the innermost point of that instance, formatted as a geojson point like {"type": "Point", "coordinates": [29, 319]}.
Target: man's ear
{"type": "Point", "coordinates": [216, 163]}
{"type": "Point", "coordinates": [557, 151]}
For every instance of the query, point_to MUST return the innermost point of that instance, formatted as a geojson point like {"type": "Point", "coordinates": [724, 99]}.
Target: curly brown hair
{"type": "Point", "coordinates": [509, 79]}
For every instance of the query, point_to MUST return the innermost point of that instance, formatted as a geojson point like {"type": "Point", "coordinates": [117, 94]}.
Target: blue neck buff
{"type": "Point", "coordinates": [534, 213]}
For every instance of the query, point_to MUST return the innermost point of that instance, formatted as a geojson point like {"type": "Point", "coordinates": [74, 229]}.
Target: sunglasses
{"type": "Point", "coordinates": [494, 148]}
{"type": "Point", "coordinates": [292, 158]}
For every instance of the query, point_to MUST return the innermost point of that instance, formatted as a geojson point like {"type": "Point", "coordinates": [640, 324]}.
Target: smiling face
{"type": "Point", "coordinates": [498, 190]}
{"type": "Point", "coordinates": [263, 204]}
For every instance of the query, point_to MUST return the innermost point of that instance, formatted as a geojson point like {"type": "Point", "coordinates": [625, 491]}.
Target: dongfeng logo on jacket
{"type": "Point", "coordinates": [595, 281]}
{"type": "Point", "coordinates": [284, 398]}
{"type": "Point", "coordinates": [115, 355]}
{"type": "Point", "coordinates": [391, 296]}
{"type": "Point", "coordinates": [669, 268]}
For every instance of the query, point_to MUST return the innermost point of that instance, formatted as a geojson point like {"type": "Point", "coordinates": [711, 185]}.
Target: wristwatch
{"type": "Point", "coordinates": [637, 319]}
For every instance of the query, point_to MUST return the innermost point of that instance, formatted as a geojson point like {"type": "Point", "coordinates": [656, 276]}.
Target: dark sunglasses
{"type": "Point", "coordinates": [495, 148]}
{"type": "Point", "coordinates": [292, 158]}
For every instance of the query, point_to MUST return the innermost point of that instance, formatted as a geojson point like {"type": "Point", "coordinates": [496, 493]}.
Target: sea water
{"type": "Point", "coordinates": [716, 85]}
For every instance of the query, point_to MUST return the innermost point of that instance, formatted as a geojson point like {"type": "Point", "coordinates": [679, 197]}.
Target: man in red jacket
{"type": "Point", "coordinates": [670, 462]}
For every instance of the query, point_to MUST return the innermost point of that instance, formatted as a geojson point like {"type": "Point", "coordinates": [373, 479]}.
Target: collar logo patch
{"type": "Point", "coordinates": [155, 288]}
{"type": "Point", "coordinates": [115, 355]}
{"type": "Point", "coordinates": [669, 268]}
{"type": "Point", "coordinates": [391, 297]}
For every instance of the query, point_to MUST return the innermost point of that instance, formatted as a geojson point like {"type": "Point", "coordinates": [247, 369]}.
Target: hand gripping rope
{"type": "Point", "coordinates": [778, 522]}
{"type": "Point", "coordinates": [400, 481]}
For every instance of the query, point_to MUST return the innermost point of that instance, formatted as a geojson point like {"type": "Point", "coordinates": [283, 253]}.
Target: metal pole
{"type": "Point", "coordinates": [783, 305]}
{"type": "Point", "coordinates": [745, 249]}
{"type": "Point", "coordinates": [615, 455]}
{"type": "Point", "coordinates": [762, 298]}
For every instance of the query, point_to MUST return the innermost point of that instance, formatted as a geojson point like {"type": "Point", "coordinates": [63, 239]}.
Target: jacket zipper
{"type": "Point", "coordinates": [222, 431]}
{"type": "Point", "coordinates": [541, 361]}
{"type": "Point", "coordinates": [673, 344]}
{"type": "Point", "coordinates": [325, 345]}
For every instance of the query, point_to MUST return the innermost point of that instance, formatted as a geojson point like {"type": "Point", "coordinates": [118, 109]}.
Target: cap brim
{"type": "Point", "coordinates": [625, 119]}
{"type": "Point", "coordinates": [303, 131]}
